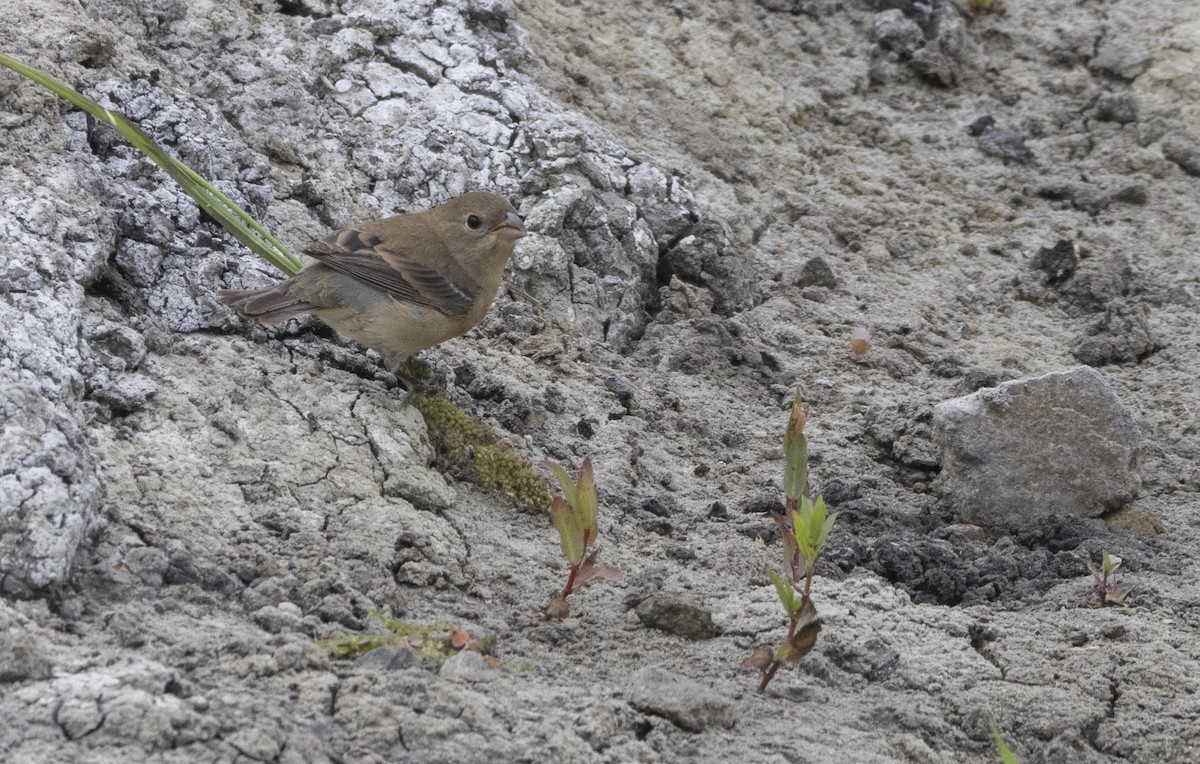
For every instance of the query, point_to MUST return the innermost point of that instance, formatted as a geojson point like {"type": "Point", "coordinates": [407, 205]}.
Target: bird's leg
{"type": "Point", "coordinates": [413, 373]}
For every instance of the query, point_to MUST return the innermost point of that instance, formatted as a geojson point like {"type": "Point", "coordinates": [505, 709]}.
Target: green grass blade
{"type": "Point", "coordinates": [1006, 754]}
{"type": "Point", "coordinates": [224, 210]}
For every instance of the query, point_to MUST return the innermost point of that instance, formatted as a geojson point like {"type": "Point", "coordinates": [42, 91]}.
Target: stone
{"type": "Point", "coordinates": [1121, 335]}
{"type": "Point", "coordinates": [677, 615]}
{"type": "Point", "coordinates": [685, 703]}
{"type": "Point", "coordinates": [1117, 107]}
{"type": "Point", "coordinates": [816, 273]}
{"type": "Point", "coordinates": [1057, 444]}
{"type": "Point", "coordinates": [1182, 152]}
{"type": "Point", "coordinates": [1118, 59]}
{"type": "Point", "coordinates": [22, 658]}
{"type": "Point", "coordinates": [1059, 262]}
{"type": "Point", "coordinates": [1135, 521]}
{"type": "Point", "coordinates": [1004, 143]}
{"type": "Point", "coordinates": [387, 659]}
{"type": "Point", "coordinates": [897, 32]}
{"type": "Point", "coordinates": [467, 666]}
{"type": "Point", "coordinates": [276, 619]}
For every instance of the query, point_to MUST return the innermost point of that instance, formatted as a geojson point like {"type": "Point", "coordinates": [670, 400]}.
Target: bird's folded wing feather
{"type": "Point", "coordinates": [393, 271]}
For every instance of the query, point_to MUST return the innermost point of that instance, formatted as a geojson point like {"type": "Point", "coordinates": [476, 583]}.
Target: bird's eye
{"type": "Point", "coordinates": [473, 222]}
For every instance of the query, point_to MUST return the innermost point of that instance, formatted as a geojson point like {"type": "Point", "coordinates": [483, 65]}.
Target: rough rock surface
{"type": "Point", "coordinates": [719, 194]}
{"type": "Point", "coordinates": [681, 701]}
{"type": "Point", "coordinates": [676, 615]}
{"type": "Point", "coordinates": [1058, 444]}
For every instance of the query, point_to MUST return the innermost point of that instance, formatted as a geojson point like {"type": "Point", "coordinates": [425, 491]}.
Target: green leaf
{"type": "Point", "coordinates": [811, 527]}
{"type": "Point", "coordinates": [795, 451]}
{"type": "Point", "coordinates": [820, 524]}
{"type": "Point", "coordinates": [224, 210]}
{"type": "Point", "coordinates": [802, 530]}
{"type": "Point", "coordinates": [570, 531]}
{"type": "Point", "coordinates": [585, 501]}
{"type": "Point", "coordinates": [1006, 754]}
{"type": "Point", "coordinates": [816, 521]}
{"type": "Point", "coordinates": [785, 590]}
{"type": "Point", "coordinates": [826, 528]}
{"type": "Point", "coordinates": [564, 481]}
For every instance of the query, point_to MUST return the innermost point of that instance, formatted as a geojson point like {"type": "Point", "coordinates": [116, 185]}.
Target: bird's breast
{"type": "Point", "coordinates": [397, 329]}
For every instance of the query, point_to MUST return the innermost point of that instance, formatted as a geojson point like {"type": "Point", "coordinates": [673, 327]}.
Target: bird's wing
{"type": "Point", "coordinates": [393, 271]}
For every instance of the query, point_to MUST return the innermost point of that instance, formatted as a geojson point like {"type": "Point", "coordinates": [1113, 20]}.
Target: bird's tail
{"type": "Point", "coordinates": [270, 305]}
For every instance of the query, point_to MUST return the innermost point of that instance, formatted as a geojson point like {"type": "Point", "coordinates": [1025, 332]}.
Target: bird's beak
{"type": "Point", "coordinates": [512, 228]}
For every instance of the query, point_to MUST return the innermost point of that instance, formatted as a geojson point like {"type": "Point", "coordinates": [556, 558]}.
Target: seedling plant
{"type": "Point", "coordinates": [805, 529]}
{"type": "Point", "coordinates": [574, 517]}
{"type": "Point", "coordinates": [1111, 593]}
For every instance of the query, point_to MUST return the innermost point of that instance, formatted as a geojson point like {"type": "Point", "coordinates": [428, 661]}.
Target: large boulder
{"type": "Point", "coordinates": [1057, 444]}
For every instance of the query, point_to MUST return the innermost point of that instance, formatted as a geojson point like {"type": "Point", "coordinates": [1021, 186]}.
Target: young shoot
{"type": "Point", "coordinates": [1111, 593]}
{"type": "Point", "coordinates": [574, 517]}
{"type": "Point", "coordinates": [805, 529]}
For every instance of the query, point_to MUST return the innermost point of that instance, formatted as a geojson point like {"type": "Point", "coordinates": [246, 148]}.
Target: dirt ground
{"type": "Point", "coordinates": [719, 194]}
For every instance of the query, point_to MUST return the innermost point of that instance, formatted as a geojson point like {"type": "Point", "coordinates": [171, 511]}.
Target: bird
{"type": "Point", "coordinates": [401, 284]}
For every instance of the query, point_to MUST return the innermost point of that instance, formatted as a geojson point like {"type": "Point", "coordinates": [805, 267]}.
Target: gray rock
{"type": "Point", "coordinates": [1121, 335]}
{"type": "Point", "coordinates": [1182, 152]}
{"type": "Point", "coordinates": [681, 701]}
{"type": "Point", "coordinates": [1006, 144]}
{"type": "Point", "coordinates": [874, 659]}
{"type": "Point", "coordinates": [55, 244]}
{"type": "Point", "coordinates": [277, 618]}
{"type": "Point", "coordinates": [1118, 59]}
{"type": "Point", "coordinates": [22, 657]}
{"type": "Point", "coordinates": [48, 491]}
{"type": "Point", "coordinates": [466, 666]}
{"type": "Point", "coordinates": [897, 32]}
{"type": "Point", "coordinates": [1056, 444]}
{"type": "Point", "coordinates": [816, 272]}
{"type": "Point", "coordinates": [1117, 107]}
{"type": "Point", "coordinates": [677, 615]}
{"type": "Point", "coordinates": [387, 659]}
{"type": "Point", "coordinates": [126, 393]}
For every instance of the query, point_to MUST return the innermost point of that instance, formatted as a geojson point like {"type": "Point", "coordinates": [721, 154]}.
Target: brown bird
{"type": "Point", "coordinates": [401, 284]}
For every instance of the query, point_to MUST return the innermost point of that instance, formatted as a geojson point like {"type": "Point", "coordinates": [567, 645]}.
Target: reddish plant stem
{"type": "Point", "coordinates": [570, 585]}
{"type": "Point", "coordinates": [566, 591]}
{"type": "Point", "coordinates": [768, 675]}
{"type": "Point", "coordinates": [777, 664]}
{"type": "Point", "coordinates": [1101, 577]}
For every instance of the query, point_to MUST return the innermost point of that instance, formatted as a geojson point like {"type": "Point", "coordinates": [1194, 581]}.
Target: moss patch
{"type": "Point", "coordinates": [433, 642]}
{"type": "Point", "coordinates": [479, 454]}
